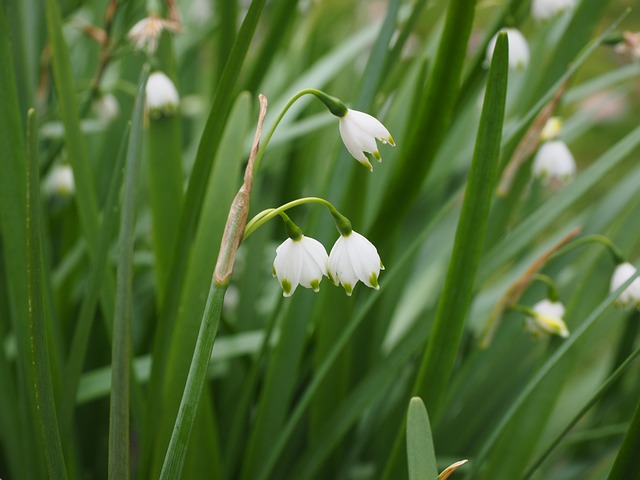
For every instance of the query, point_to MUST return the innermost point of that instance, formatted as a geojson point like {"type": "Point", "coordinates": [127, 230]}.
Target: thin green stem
{"type": "Point", "coordinates": [333, 104]}
{"type": "Point", "coordinates": [266, 215]}
{"type": "Point", "coordinates": [552, 290]}
{"type": "Point", "coordinates": [615, 252]}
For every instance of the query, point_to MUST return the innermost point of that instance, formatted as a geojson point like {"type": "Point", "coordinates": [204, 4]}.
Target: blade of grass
{"type": "Point", "coordinates": [434, 117]}
{"type": "Point", "coordinates": [626, 463]}
{"type": "Point", "coordinates": [41, 374]}
{"type": "Point", "coordinates": [421, 456]}
{"type": "Point", "coordinates": [80, 341]}
{"type": "Point", "coordinates": [12, 222]}
{"type": "Point", "coordinates": [119, 436]}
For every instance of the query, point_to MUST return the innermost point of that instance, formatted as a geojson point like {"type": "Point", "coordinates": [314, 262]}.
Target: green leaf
{"type": "Point", "coordinates": [420, 450]}
{"type": "Point", "coordinates": [119, 451]}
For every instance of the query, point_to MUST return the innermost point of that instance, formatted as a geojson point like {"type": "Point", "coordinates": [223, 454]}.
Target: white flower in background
{"type": "Point", "coordinates": [161, 94]}
{"type": "Point", "coordinates": [554, 163]}
{"type": "Point", "coordinates": [546, 9]}
{"type": "Point", "coordinates": [359, 131]}
{"type": "Point", "coordinates": [551, 129]}
{"type": "Point", "coordinates": [547, 320]}
{"type": "Point", "coordinates": [518, 49]}
{"type": "Point", "coordinates": [300, 262]}
{"type": "Point", "coordinates": [630, 297]}
{"type": "Point", "coordinates": [106, 108]}
{"type": "Point", "coordinates": [354, 258]}
{"type": "Point", "coordinates": [145, 34]}
{"type": "Point", "coordinates": [60, 181]}
{"type": "Point", "coordinates": [630, 45]}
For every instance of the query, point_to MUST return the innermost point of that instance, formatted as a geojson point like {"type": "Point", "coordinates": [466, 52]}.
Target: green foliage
{"type": "Point", "coordinates": [136, 342]}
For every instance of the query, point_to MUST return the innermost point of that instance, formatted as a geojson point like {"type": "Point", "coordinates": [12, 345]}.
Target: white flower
{"type": "Point", "coordinates": [518, 49]}
{"type": "Point", "coordinates": [630, 45]}
{"type": "Point", "coordinates": [546, 9]}
{"type": "Point", "coordinates": [354, 258]}
{"type": "Point", "coordinates": [359, 131]}
{"type": "Point", "coordinates": [60, 181]}
{"type": "Point", "coordinates": [146, 33]}
{"type": "Point", "coordinates": [300, 262]}
{"type": "Point", "coordinates": [630, 297]}
{"type": "Point", "coordinates": [162, 96]}
{"type": "Point", "coordinates": [106, 107]}
{"type": "Point", "coordinates": [554, 163]}
{"type": "Point", "coordinates": [547, 320]}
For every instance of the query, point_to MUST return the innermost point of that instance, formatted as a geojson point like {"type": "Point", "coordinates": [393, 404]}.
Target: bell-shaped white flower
{"type": "Point", "coordinates": [146, 33]}
{"type": "Point", "coordinates": [300, 262]}
{"type": "Point", "coordinates": [354, 258]}
{"type": "Point", "coordinates": [518, 49]}
{"type": "Point", "coordinates": [547, 320]}
{"type": "Point", "coordinates": [359, 132]}
{"type": "Point", "coordinates": [161, 94]}
{"type": "Point", "coordinates": [630, 297]}
{"type": "Point", "coordinates": [546, 9]}
{"type": "Point", "coordinates": [60, 181]}
{"type": "Point", "coordinates": [554, 163]}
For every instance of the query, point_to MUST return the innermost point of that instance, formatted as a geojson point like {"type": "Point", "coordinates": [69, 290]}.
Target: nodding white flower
{"type": "Point", "coordinates": [547, 320]}
{"type": "Point", "coordinates": [162, 96]}
{"type": "Point", "coordinates": [354, 258]}
{"type": "Point", "coordinates": [359, 132]}
{"type": "Point", "coordinates": [546, 9]}
{"type": "Point", "coordinates": [60, 181]}
{"type": "Point", "coordinates": [630, 45]}
{"type": "Point", "coordinates": [518, 49]}
{"type": "Point", "coordinates": [630, 297]}
{"type": "Point", "coordinates": [300, 262]}
{"type": "Point", "coordinates": [146, 33]}
{"type": "Point", "coordinates": [106, 107]}
{"type": "Point", "coordinates": [554, 163]}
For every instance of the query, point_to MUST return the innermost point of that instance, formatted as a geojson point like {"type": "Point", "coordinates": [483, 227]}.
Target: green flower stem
{"type": "Point", "coordinates": [523, 309]}
{"type": "Point", "coordinates": [616, 253]}
{"type": "Point", "coordinates": [231, 239]}
{"type": "Point", "coordinates": [335, 106]}
{"type": "Point", "coordinates": [552, 290]}
{"type": "Point", "coordinates": [174, 460]}
{"type": "Point", "coordinates": [266, 215]}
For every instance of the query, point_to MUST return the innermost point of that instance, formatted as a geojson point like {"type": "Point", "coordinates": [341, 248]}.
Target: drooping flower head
{"type": "Point", "coordinates": [302, 261]}
{"type": "Point", "coordinates": [546, 9]}
{"type": "Point", "coordinates": [106, 108]}
{"type": "Point", "coordinates": [161, 94]}
{"type": "Point", "coordinates": [359, 132]}
{"type": "Point", "coordinates": [547, 320]}
{"type": "Point", "coordinates": [518, 49]}
{"type": "Point", "coordinates": [145, 34]}
{"type": "Point", "coordinates": [630, 297]}
{"type": "Point", "coordinates": [554, 163]}
{"type": "Point", "coordinates": [353, 258]}
{"type": "Point", "coordinates": [60, 181]}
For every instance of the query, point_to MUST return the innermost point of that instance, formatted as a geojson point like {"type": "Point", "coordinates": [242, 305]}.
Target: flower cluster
{"type": "Point", "coordinates": [304, 261]}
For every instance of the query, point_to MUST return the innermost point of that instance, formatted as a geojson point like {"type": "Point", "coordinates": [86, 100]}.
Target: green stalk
{"type": "Point", "coordinates": [119, 451]}
{"type": "Point", "coordinates": [41, 371]}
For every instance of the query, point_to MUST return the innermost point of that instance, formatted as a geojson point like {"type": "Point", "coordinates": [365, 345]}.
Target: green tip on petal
{"type": "Point", "coordinates": [348, 289]}
{"type": "Point", "coordinates": [391, 141]}
{"type": "Point", "coordinates": [315, 285]}
{"type": "Point", "coordinates": [333, 280]}
{"type": "Point", "coordinates": [381, 265]}
{"type": "Point", "coordinates": [367, 164]}
{"type": "Point", "coordinates": [273, 271]}
{"type": "Point", "coordinates": [373, 280]}
{"type": "Point", "coordinates": [377, 156]}
{"type": "Point", "coordinates": [286, 287]}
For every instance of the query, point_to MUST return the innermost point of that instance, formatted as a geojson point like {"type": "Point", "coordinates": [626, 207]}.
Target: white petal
{"type": "Point", "coordinates": [518, 49]}
{"type": "Point", "coordinates": [288, 266]}
{"type": "Point", "coordinates": [554, 162]}
{"type": "Point", "coordinates": [546, 9]}
{"type": "Point", "coordinates": [161, 93]}
{"type": "Point", "coordinates": [364, 259]}
{"type": "Point", "coordinates": [631, 295]}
